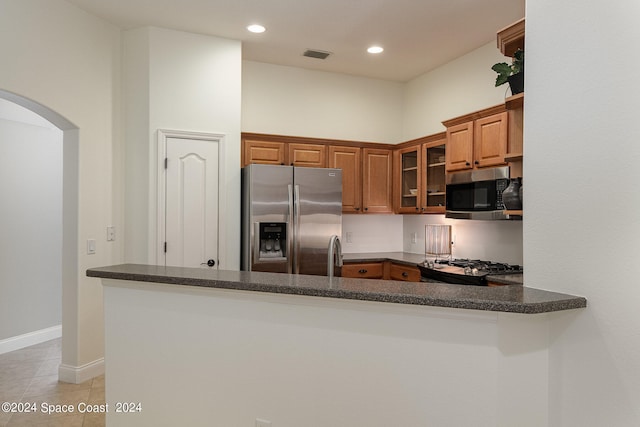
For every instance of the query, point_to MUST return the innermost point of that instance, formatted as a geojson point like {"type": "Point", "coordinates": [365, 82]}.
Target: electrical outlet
{"type": "Point", "coordinates": [111, 233]}
{"type": "Point", "coordinates": [414, 237]}
{"type": "Point", "coordinates": [262, 423]}
{"type": "Point", "coordinates": [349, 237]}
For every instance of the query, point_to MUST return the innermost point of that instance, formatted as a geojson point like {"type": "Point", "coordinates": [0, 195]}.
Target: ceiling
{"type": "Point", "coordinates": [417, 35]}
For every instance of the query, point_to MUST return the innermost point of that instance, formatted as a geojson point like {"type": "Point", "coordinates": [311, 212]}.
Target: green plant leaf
{"type": "Point", "coordinates": [504, 70]}
{"type": "Point", "coordinates": [501, 79]}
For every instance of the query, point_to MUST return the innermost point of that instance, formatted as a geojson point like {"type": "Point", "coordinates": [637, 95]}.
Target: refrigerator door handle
{"type": "Point", "coordinates": [290, 241]}
{"type": "Point", "coordinates": [296, 234]}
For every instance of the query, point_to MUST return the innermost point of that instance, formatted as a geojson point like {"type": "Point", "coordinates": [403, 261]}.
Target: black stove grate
{"type": "Point", "coordinates": [483, 267]}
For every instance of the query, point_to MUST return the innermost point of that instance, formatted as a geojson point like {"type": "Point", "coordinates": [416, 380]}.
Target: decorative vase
{"type": "Point", "coordinates": [516, 83]}
{"type": "Point", "coordinates": [511, 195]}
{"type": "Point", "coordinates": [520, 194]}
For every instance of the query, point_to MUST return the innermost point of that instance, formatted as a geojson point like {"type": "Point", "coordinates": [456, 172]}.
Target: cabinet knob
{"type": "Point", "coordinates": [363, 271]}
{"type": "Point", "coordinates": [366, 209]}
{"type": "Point", "coordinates": [357, 209]}
{"type": "Point", "coordinates": [418, 209]}
{"type": "Point", "coordinates": [476, 162]}
{"type": "Point", "coordinates": [405, 274]}
{"type": "Point", "coordinates": [468, 164]}
{"type": "Point", "coordinates": [292, 164]}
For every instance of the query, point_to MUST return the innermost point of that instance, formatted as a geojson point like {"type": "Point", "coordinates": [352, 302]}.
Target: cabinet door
{"type": "Point", "coordinates": [308, 155]}
{"type": "Point", "coordinates": [263, 152]}
{"type": "Point", "coordinates": [349, 159]}
{"type": "Point", "coordinates": [459, 154]}
{"type": "Point", "coordinates": [433, 190]}
{"type": "Point", "coordinates": [407, 179]}
{"type": "Point", "coordinates": [377, 181]}
{"type": "Point", "coordinates": [490, 140]}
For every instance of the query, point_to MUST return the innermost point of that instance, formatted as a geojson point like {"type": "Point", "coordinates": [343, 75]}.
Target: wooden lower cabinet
{"type": "Point", "coordinates": [386, 270]}
{"type": "Point", "coordinates": [369, 270]}
{"type": "Point", "coordinates": [404, 272]}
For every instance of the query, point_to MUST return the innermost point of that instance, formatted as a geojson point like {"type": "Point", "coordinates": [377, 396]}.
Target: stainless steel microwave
{"type": "Point", "coordinates": [477, 194]}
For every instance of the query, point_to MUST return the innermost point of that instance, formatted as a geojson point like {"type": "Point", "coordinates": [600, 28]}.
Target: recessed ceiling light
{"type": "Point", "coordinates": [255, 28]}
{"type": "Point", "coordinates": [375, 49]}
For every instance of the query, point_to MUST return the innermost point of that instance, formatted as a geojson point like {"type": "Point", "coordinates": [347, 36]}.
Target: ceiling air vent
{"type": "Point", "coordinates": [318, 54]}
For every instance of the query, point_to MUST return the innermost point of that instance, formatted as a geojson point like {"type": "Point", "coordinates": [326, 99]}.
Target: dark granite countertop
{"type": "Point", "coordinates": [514, 299]}
{"type": "Point", "coordinates": [399, 257]}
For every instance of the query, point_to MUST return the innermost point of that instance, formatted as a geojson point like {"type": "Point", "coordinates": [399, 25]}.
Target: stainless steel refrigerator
{"type": "Point", "coordinates": [288, 217]}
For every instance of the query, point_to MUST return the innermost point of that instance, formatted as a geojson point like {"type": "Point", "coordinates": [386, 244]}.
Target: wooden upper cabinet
{"type": "Point", "coordinates": [433, 193]}
{"type": "Point", "coordinates": [490, 140]}
{"type": "Point", "coordinates": [349, 159]}
{"type": "Point", "coordinates": [407, 179]}
{"type": "Point", "coordinates": [477, 140]}
{"type": "Point", "coordinates": [511, 38]}
{"type": "Point", "coordinates": [308, 155]}
{"type": "Point", "coordinates": [263, 152]}
{"type": "Point", "coordinates": [377, 181]}
{"type": "Point", "coordinates": [459, 155]}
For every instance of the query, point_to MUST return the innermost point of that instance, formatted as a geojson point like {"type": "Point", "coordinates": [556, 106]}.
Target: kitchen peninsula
{"type": "Point", "coordinates": [230, 348]}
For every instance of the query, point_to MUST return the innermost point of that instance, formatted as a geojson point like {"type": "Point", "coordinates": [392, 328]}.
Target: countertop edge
{"type": "Point", "coordinates": [554, 302]}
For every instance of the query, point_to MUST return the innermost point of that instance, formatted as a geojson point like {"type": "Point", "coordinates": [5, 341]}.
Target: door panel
{"type": "Point", "coordinates": [191, 202]}
{"type": "Point", "coordinates": [319, 216]}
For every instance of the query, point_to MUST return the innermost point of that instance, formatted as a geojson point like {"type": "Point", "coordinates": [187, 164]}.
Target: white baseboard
{"type": "Point", "coordinates": [29, 339]}
{"type": "Point", "coordinates": [80, 374]}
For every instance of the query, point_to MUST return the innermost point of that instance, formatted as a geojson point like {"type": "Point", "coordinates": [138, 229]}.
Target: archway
{"type": "Point", "coordinates": [70, 265]}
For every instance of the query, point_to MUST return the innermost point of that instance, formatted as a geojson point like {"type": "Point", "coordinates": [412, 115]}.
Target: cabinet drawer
{"type": "Point", "coordinates": [372, 270]}
{"type": "Point", "coordinates": [404, 272]}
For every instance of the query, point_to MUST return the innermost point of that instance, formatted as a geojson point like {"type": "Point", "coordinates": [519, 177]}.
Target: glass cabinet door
{"type": "Point", "coordinates": [433, 187]}
{"type": "Point", "coordinates": [409, 180]}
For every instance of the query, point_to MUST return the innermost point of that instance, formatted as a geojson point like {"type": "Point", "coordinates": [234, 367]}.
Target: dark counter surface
{"type": "Point", "coordinates": [513, 299]}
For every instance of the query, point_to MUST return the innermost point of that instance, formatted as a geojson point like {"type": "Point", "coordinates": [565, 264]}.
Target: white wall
{"type": "Point", "coordinates": [499, 241]}
{"type": "Point", "coordinates": [187, 82]}
{"type": "Point", "coordinates": [461, 86]}
{"type": "Point", "coordinates": [30, 222]}
{"type": "Point", "coordinates": [299, 102]}
{"type": "Point", "coordinates": [372, 233]}
{"type": "Point", "coordinates": [582, 233]}
{"type": "Point", "coordinates": [69, 61]}
{"type": "Point", "coordinates": [301, 361]}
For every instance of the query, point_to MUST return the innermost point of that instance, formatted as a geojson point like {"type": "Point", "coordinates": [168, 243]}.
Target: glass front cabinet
{"type": "Point", "coordinates": [433, 179]}
{"type": "Point", "coordinates": [419, 177]}
{"type": "Point", "coordinates": [408, 179]}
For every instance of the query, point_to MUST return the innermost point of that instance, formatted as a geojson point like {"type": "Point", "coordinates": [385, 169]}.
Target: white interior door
{"type": "Point", "coordinates": [191, 202]}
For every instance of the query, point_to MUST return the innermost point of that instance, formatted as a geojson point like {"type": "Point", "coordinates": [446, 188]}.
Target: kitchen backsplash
{"type": "Point", "coordinates": [489, 240]}
{"type": "Point", "coordinates": [499, 241]}
{"type": "Point", "coordinates": [371, 233]}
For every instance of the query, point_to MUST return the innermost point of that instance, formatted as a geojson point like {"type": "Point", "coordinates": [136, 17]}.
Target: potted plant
{"type": "Point", "coordinates": [514, 73]}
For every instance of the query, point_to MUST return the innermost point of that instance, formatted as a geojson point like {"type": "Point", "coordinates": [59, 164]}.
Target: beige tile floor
{"type": "Point", "coordinates": [30, 375]}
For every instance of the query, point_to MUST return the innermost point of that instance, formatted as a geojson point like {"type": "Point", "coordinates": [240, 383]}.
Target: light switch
{"type": "Point", "coordinates": [111, 233]}
{"type": "Point", "coordinates": [91, 246]}
{"type": "Point", "coordinates": [349, 237]}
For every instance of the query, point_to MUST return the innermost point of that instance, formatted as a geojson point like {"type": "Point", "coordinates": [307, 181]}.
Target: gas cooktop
{"type": "Point", "coordinates": [466, 271]}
